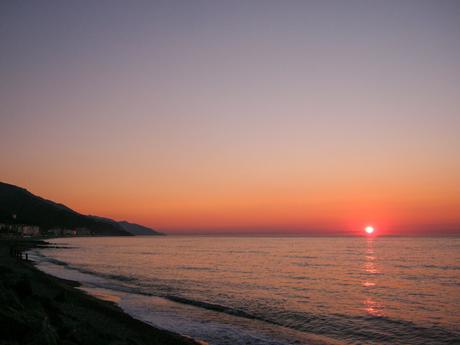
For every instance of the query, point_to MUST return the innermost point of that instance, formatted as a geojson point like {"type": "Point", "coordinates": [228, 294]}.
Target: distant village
{"type": "Point", "coordinates": [24, 230]}
{"type": "Point", "coordinates": [27, 230]}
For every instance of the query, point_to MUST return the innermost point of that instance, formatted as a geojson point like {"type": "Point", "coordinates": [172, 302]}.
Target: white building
{"type": "Point", "coordinates": [29, 230]}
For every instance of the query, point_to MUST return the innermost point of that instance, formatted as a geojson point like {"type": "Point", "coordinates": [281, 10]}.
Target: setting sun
{"type": "Point", "coordinates": [369, 229]}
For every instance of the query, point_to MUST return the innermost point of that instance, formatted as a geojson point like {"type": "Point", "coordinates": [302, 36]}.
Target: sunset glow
{"type": "Point", "coordinates": [225, 118]}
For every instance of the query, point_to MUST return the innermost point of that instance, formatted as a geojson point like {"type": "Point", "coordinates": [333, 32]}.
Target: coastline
{"type": "Point", "coordinates": [40, 309]}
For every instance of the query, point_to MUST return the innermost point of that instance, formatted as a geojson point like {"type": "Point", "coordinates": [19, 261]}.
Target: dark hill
{"type": "Point", "coordinates": [19, 206]}
{"type": "Point", "coordinates": [132, 228]}
{"type": "Point", "coordinates": [139, 230]}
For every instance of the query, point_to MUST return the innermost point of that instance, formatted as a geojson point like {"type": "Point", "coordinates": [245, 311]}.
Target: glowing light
{"type": "Point", "coordinates": [369, 229]}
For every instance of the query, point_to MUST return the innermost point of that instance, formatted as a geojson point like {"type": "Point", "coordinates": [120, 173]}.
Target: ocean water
{"type": "Point", "coordinates": [238, 290]}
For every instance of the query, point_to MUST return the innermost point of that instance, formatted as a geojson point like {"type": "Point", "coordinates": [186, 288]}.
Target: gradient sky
{"type": "Point", "coordinates": [237, 116]}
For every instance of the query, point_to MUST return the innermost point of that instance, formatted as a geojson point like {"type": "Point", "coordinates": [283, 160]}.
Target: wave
{"type": "Point", "coordinates": [442, 267]}
{"type": "Point", "coordinates": [309, 264]}
{"type": "Point", "coordinates": [345, 327]}
{"type": "Point", "coordinates": [213, 307]}
{"type": "Point", "coordinates": [434, 267]}
{"type": "Point", "coordinates": [301, 257]}
{"type": "Point", "coordinates": [58, 262]}
{"type": "Point", "coordinates": [193, 268]}
{"type": "Point", "coordinates": [340, 326]}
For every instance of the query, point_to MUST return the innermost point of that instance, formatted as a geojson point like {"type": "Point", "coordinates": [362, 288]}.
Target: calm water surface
{"type": "Point", "coordinates": [275, 290]}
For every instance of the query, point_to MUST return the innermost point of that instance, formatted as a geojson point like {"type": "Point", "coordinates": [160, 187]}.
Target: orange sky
{"type": "Point", "coordinates": [308, 118]}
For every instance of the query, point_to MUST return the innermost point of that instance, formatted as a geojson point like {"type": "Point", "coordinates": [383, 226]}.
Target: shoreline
{"type": "Point", "coordinates": [113, 297]}
{"type": "Point", "coordinates": [38, 308]}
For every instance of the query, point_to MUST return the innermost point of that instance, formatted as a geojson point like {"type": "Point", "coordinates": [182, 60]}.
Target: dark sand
{"type": "Point", "coordinates": [36, 308]}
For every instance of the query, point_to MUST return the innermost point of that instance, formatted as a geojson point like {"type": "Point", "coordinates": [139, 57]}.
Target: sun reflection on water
{"type": "Point", "coordinates": [371, 305]}
{"type": "Point", "coordinates": [373, 308]}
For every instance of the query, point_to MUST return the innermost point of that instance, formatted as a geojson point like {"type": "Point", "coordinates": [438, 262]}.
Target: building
{"type": "Point", "coordinates": [69, 232]}
{"type": "Point", "coordinates": [29, 230]}
{"type": "Point", "coordinates": [13, 230]}
{"type": "Point", "coordinates": [8, 230]}
{"type": "Point", "coordinates": [4, 227]}
{"type": "Point", "coordinates": [54, 232]}
{"type": "Point", "coordinates": [83, 232]}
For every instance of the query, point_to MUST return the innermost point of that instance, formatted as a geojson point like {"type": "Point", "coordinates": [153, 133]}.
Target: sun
{"type": "Point", "coordinates": [369, 229]}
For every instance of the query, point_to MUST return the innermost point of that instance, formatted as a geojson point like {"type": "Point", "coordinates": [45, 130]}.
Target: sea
{"type": "Point", "coordinates": [273, 290]}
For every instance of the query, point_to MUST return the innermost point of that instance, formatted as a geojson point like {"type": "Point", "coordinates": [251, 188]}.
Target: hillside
{"type": "Point", "coordinates": [132, 228]}
{"type": "Point", "coordinates": [139, 230]}
{"type": "Point", "coordinates": [19, 206]}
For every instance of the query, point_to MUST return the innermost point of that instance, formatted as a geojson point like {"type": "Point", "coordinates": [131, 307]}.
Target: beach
{"type": "Point", "coordinates": [40, 309]}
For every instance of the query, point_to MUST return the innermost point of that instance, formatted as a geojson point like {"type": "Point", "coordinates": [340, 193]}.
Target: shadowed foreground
{"type": "Point", "coordinates": [40, 309]}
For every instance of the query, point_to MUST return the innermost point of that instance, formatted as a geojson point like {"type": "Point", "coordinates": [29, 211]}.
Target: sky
{"type": "Point", "coordinates": [286, 117]}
